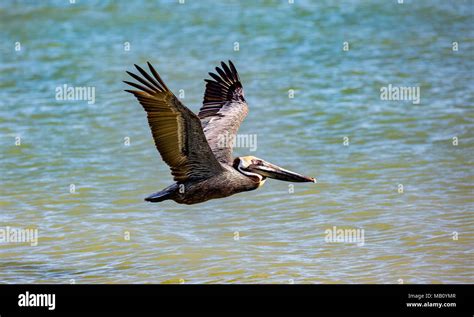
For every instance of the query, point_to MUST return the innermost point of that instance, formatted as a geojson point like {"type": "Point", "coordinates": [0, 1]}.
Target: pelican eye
{"type": "Point", "coordinates": [257, 162]}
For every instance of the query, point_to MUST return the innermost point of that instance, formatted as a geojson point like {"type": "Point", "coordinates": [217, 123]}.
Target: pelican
{"type": "Point", "coordinates": [202, 167]}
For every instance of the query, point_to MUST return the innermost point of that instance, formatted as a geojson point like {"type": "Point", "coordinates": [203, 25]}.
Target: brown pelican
{"type": "Point", "coordinates": [203, 167]}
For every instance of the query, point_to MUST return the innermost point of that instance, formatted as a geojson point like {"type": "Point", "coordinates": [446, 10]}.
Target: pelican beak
{"type": "Point", "coordinates": [272, 171]}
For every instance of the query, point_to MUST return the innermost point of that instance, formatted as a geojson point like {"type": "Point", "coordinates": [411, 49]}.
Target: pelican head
{"type": "Point", "coordinates": [259, 170]}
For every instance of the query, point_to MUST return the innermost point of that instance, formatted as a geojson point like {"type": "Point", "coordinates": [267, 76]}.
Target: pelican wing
{"type": "Point", "coordinates": [176, 130]}
{"type": "Point", "coordinates": [224, 108]}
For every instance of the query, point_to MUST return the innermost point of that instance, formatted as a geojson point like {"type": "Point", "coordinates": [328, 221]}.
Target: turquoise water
{"type": "Point", "coordinates": [106, 233]}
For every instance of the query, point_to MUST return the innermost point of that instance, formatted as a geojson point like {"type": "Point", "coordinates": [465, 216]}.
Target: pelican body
{"type": "Point", "coordinates": [203, 168]}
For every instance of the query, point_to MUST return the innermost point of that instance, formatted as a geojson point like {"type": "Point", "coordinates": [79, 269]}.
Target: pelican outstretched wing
{"type": "Point", "coordinates": [224, 108]}
{"type": "Point", "coordinates": [177, 131]}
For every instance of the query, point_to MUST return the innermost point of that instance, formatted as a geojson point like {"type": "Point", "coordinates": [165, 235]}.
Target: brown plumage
{"type": "Point", "coordinates": [202, 167]}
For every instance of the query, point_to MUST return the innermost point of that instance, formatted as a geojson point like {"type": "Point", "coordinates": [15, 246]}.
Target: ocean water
{"type": "Point", "coordinates": [400, 171]}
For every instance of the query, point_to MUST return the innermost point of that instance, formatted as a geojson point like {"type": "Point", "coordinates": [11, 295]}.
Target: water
{"type": "Point", "coordinates": [264, 236]}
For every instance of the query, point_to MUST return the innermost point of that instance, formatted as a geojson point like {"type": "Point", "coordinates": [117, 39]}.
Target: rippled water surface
{"type": "Point", "coordinates": [421, 235]}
